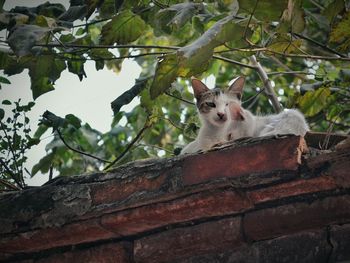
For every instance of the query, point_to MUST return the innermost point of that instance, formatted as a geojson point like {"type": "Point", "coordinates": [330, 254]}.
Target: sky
{"type": "Point", "coordinates": [88, 99]}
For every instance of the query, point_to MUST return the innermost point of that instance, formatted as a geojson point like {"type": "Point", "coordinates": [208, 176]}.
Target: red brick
{"type": "Point", "coordinates": [188, 208]}
{"type": "Point", "coordinates": [75, 233]}
{"type": "Point", "coordinates": [340, 239]}
{"type": "Point", "coordinates": [118, 252]}
{"type": "Point", "coordinates": [216, 236]}
{"type": "Point", "coordinates": [268, 156]}
{"type": "Point", "coordinates": [293, 188]}
{"type": "Point", "coordinates": [116, 190]}
{"type": "Point", "coordinates": [277, 221]}
{"type": "Point", "coordinates": [340, 171]}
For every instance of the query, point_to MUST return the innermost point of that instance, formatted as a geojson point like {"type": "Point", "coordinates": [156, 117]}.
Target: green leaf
{"type": "Point", "coordinates": [44, 164]}
{"type": "Point", "coordinates": [129, 95]}
{"type": "Point", "coordinates": [176, 16]}
{"type": "Point", "coordinates": [33, 141]}
{"type": "Point", "coordinates": [195, 57]}
{"type": "Point", "coordinates": [333, 9]}
{"type": "Point", "coordinates": [2, 114]}
{"type": "Point", "coordinates": [77, 67]}
{"type": "Point", "coordinates": [283, 45]}
{"type": "Point", "coordinates": [40, 130]}
{"type": "Point", "coordinates": [43, 72]}
{"type": "Point", "coordinates": [340, 34]}
{"type": "Point", "coordinates": [52, 120]}
{"type": "Point", "coordinates": [124, 28]}
{"type": "Point", "coordinates": [74, 12]}
{"type": "Point", "coordinates": [166, 73]}
{"type": "Point", "coordinates": [24, 37]}
{"type": "Point", "coordinates": [266, 10]}
{"type": "Point", "coordinates": [4, 80]}
{"type": "Point", "coordinates": [293, 18]}
{"type": "Point", "coordinates": [6, 102]}
{"type": "Point", "coordinates": [312, 102]}
{"type": "Point", "coordinates": [73, 120]}
{"type": "Point", "coordinates": [15, 19]}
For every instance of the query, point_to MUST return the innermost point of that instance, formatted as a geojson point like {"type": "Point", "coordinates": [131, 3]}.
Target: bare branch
{"type": "Point", "coordinates": [78, 151]}
{"type": "Point", "coordinates": [128, 147]}
{"type": "Point", "coordinates": [9, 185]}
{"type": "Point", "coordinates": [179, 98]}
{"type": "Point", "coordinates": [268, 87]}
{"type": "Point", "coordinates": [233, 62]}
{"type": "Point", "coordinates": [319, 44]}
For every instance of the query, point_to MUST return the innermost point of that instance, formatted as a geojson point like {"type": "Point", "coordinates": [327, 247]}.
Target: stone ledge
{"type": "Point", "coordinates": [154, 203]}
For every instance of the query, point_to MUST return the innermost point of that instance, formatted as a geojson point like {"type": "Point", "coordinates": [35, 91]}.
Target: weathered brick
{"type": "Point", "coordinates": [202, 205]}
{"type": "Point", "coordinates": [340, 239]}
{"type": "Point", "coordinates": [340, 171]}
{"type": "Point", "coordinates": [271, 155]}
{"type": "Point", "coordinates": [281, 220]}
{"type": "Point", "coordinates": [116, 190]}
{"type": "Point", "coordinates": [189, 241]}
{"type": "Point", "coordinates": [70, 234]}
{"type": "Point", "coordinates": [114, 252]}
{"type": "Point", "coordinates": [293, 188]}
{"type": "Point", "coordinates": [305, 247]}
{"type": "Point", "coordinates": [311, 246]}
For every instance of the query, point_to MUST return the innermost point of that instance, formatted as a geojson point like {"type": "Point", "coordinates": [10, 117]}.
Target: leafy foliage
{"type": "Point", "coordinates": [15, 141]}
{"type": "Point", "coordinates": [302, 45]}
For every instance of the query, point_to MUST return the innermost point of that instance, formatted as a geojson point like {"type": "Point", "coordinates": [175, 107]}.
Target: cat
{"type": "Point", "coordinates": [289, 121]}
{"type": "Point", "coordinates": [223, 118]}
{"type": "Point", "coordinates": [214, 113]}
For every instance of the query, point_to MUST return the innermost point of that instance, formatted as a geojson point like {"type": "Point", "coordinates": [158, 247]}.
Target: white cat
{"type": "Point", "coordinates": [223, 119]}
{"type": "Point", "coordinates": [289, 121]}
{"type": "Point", "coordinates": [215, 115]}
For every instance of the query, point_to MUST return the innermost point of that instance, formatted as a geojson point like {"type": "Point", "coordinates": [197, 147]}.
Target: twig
{"type": "Point", "coordinates": [319, 44]}
{"type": "Point", "coordinates": [128, 147]}
{"type": "Point", "coordinates": [263, 49]}
{"type": "Point", "coordinates": [107, 46]}
{"type": "Point", "coordinates": [155, 146]}
{"type": "Point", "coordinates": [13, 176]}
{"type": "Point", "coordinates": [179, 98]}
{"type": "Point", "coordinates": [14, 159]}
{"type": "Point", "coordinates": [78, 151]}
{"type": "Point", "coordinates": [268, 87]}
{"type": "Point", "coordinates": [289, 72]}
{"type": "Point", "coordinates": [250, 19]}
{"type": "Point", "coordinates": [233, 62]}
{"type": "Point", "coordinates": [9, 185]}
{"type": "Point", "coordinates": [254, 96]}
{"type": "Point", "coordinates": [286, 67]}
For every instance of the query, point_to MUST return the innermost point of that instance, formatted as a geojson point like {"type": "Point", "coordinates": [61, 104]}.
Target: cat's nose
{"type": "Point", "coordinates": [221, 115]}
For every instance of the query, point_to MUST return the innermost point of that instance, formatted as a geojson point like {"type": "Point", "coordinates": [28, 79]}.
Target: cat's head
{"type": "Point", "coordinates": [217, 106]}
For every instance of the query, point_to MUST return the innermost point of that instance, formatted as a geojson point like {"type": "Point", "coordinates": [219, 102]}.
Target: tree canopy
{"type": "Point", "coordinates": [301, 46]}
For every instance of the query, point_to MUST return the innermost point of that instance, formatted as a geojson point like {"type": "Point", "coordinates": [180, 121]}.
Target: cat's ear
{"type": "Point", "coordinates": [236, 87]}
{"type": "Point", "coordinates": [198, 88]}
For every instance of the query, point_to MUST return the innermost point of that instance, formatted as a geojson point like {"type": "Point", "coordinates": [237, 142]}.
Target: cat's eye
{"type": "Point", "coordinates": [211, 104]}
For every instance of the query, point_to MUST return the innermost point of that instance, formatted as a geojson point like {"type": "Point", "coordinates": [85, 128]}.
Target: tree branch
{"type": "Point", "coordinates": [319, 44]}
{"type": "Point", "coordinates": [128, 147]}
{"type": "Point", "coordinates": [233, 62]}
{"type": "Point", "coordinates": [13, 176]}
{"type": "Point", "coordinates": [106, 46]}
{"type": "Point", "coordinates": [268, 87]}
{"type": "Point", "coordinates": [9, 185]}
{"type": "Point", "coordinates": [179, 98]}
{"type": "Point", "coordinates": [78, 151]}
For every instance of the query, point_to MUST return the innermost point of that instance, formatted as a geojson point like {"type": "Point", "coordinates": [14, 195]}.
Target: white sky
{"type": "Point", "coordinates": [89, 99]}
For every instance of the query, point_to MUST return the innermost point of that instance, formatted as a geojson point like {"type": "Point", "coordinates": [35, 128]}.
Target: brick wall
{"type": "Point", "coordinates": [275, 199]}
